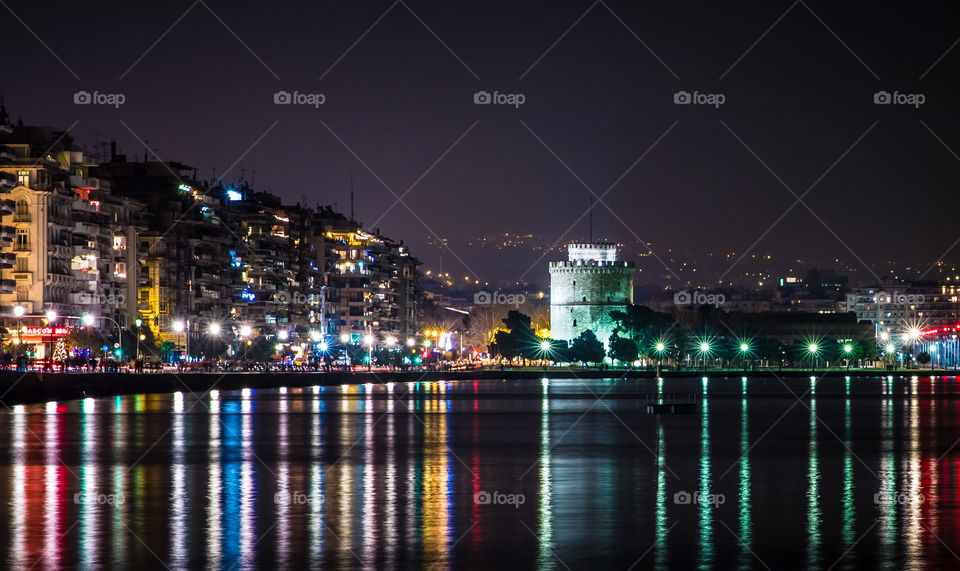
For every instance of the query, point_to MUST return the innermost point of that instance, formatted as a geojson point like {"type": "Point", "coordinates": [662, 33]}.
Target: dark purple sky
{"type": "Point", "coordinates": [599, 99]}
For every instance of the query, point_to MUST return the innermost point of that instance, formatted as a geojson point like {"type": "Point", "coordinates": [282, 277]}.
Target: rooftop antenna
{"type": "Point", "coordinates": [590, 211]}
{"type": "Point", "coordinates": [352, 218]}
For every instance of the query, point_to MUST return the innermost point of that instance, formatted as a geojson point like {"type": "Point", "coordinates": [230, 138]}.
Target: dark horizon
{"type": "Point", "coordinates": [598, 82]}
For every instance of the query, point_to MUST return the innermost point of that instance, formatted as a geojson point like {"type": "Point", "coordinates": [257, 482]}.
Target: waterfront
{"type": "Point", "coordinates": [861, 473]}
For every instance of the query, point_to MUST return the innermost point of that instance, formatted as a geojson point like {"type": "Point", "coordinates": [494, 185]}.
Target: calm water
{"type": "Point", "coordinates": [856, 474]}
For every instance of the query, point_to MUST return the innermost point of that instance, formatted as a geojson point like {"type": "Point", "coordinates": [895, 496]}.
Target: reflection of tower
{"type": "Point", "coordinates": [586, 288]}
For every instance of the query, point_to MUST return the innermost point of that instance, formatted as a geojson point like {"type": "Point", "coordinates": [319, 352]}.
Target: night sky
{"type": "Point", "coordinates": [598, 80]}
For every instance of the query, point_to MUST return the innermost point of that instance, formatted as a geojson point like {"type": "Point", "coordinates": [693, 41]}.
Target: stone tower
{"type": "Point", "coordinates": [586, 288]}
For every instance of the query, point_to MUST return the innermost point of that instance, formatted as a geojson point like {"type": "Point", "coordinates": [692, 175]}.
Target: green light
{"type": "Point", "coordinates": [660, 347]}
{"type": "Point", "coordinates": [813, 348]}
{"type": "Point", "coordinates": [138, 322]}
{"type": "Point", "coordinates": [704, 347]}
{"type": "Point", "coordinates": [890, 348]}
{"type": "Point", "coordinates": [544, 345]}
{"type": "Point", "coordinates": [847, 348]}
{"type": "Point", "coordinates": [744, 348]}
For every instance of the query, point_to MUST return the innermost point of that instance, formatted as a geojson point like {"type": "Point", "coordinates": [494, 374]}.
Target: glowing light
{"type": "Point", "coordinates": [51, 315]}
{"type": "Point", "coordinates": [391, 341]}
{"type": "Point", "coordinates": [88, 319]}
{"type": "Point", "coordinates": [368, 339]}
{"type": "Point", "coordinates": [314, 335]}
{"type": "Point", "coordinates": [178, 326]}
{"type": "Point", "coordinates": [884, 335]}
{"type": "Point", "coordinates": [914, 333]}
{"type": "Point", "coordinates": [813, 348]}
{"type": "Point", "coordinates": [848, 348]}
{"type": "Point", "coordinates": [704, 347]}
{"type": "Point", "coordinates": [411, 342]}
{"type": "Point", "coordinates": [344, 338]}
{"type": "Point", "coordinates": [890, 348]}
{"type": "Point", "coordinates": [744, 348]}
{"type": "Point", "coordinates": [544, 345]}
{"type": "Point", "coordinates": [324, 346]}
{"type": "Point", "coordinates": [660, 347]}
{"type": "Point", "coordinates": [18, 311]}
{"type": "Point", "coordinates": [246, 331]}
{"type": "Point", "coordinates": [233, 195]}
{"type": "Point", "coordinates": [283, 334]}
{"type": "Point", "coordinates": [214, 329]}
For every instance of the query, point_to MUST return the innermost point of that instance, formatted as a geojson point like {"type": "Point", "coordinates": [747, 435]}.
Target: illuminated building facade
{"type": "Point", "coordinates": [585, 288]}
{"type": "Point", "coordinates": [64, 235]}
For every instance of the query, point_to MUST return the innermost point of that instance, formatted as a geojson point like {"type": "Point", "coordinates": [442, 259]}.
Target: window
{"type": "Point", "coordinates": [23, 178]}
{"type": "Point", "coordinates": [574, 322]}
{"type": "Point", "coordinates": [22, 265]}
{"type": "Point", "coordinates": [121, 270]}
{"type": "Point", "coordinates": [119, 242]}
{"type": "Point", "coordinates": [22, 213]}
{"type": "Point", "coordinates": [23, 240]}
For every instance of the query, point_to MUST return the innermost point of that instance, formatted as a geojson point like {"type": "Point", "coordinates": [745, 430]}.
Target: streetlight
{"type": "Point", "coordinates": [246, 331]}
{"type": "Point", "coordinates": [178, 328]}
{"type": "Point", "coordinates": [847, 350]}
{"type": "Point", "coordinates": [704, 352]}
{"type": "Point", "coordinates": [18, 311]}
{"type": "Point", "coordinates": [411, 342]}
{"type": "Point", "coordinates": [214, 329]}
{"type": "Point", "coordinates": [660, 347]}
{"type": "Point", "coordinates": [51, 316]}
{"type": "Point", "coordinates": [368, 340]}
{"type": "Point", "coordinates": [744, 352]}
{"type": "Point", "coordinates": [813, 349]}
{"type": "Point", "coordinates": [283, 334]}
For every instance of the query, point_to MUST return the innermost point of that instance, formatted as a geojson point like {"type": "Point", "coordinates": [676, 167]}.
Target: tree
{"type": "Point", "coordinates": [642, 324]}
{"type": "Point", "coordinates": [623, 349]}
{"type": "Point", "coordinates": [519, 339]}
{"type": "Point", "coordinates": [587, 348]}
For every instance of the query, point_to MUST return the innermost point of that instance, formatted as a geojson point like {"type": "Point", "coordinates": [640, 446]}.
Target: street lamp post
{"type": "Point", "coordinates": [178, 328]}
{"type": "Point", "coordinates": [51, 316]}
{"type": "Point", "coordinates": [813, 349]}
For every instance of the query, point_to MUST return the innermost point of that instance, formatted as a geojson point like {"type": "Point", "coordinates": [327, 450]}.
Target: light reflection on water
{"type": "Point", "coordinates": [384, 476]}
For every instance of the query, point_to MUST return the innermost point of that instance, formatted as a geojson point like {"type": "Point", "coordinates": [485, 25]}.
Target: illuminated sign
{"type": "Point", "coordinates": [58, 331]}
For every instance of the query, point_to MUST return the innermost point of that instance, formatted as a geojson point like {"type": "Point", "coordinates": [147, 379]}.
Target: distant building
{"type": "Point", "coordinates": [586, 288]}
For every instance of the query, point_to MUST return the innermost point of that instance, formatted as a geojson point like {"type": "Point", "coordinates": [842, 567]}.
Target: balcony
{"type": "Point", "coordinates": [7, 232]}
{"type": "Point", "coordinates": [7, 155]}
{"type": "Point", "coordinates": [78, 181]}
{"type": "Point", "coordinates": [7, 181]}
{"type": "Point", "coordinates": [84, 206]}
{"type": "Point", "coordinates": [89, 276]}
{"type": "Point", "coordinates": [85, 228]}
{"type": "Point", "coordinates": [84, 250]}
{"type": "Point", "coordinates": [7, 207]}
